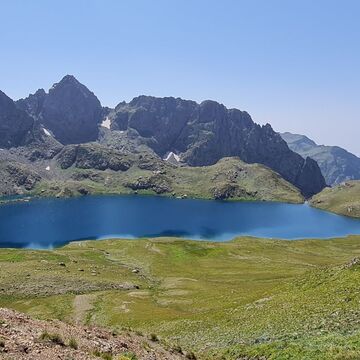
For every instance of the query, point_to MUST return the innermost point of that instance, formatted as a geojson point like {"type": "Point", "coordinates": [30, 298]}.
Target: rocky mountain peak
{"type": "Point", "coordinates": [298, 139]}
{"type": "Point", "coordinates": [69, 110]}
{"type": "Point", "coordinates": [33, 103]}
{"type": "Point", "coordinates": [5, 101]}
{"type": "Point", "coordinates": [16, 126]}
{"type": "Point", "coordinates": [70, 79]}
{"type": "Point", "coordinates": [67, 80]}
{"type": "Point", "coordinates": [69, 84]}
{"type": "Point", "coordinates": [40, 92]}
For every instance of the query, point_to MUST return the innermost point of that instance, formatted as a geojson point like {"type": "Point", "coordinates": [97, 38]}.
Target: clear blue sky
{"type": "Point", "coordinates": [292, 63]}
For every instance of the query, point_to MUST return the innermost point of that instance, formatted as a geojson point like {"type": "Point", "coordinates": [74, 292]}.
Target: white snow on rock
{"type": "Point", "coordinates": [172, 158]}
{"type": "Point", "coordinates": [106, 123]}
{"type": "Point", "coordinates": [47, 168]}
{"type": "Point", "coordinates": [47, 132]}
{"type": "Point", "coordinates": [170, 155]}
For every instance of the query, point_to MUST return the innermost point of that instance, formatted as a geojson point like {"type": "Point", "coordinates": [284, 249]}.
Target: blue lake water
{"type": "Point", "coordinates": [46, 223]}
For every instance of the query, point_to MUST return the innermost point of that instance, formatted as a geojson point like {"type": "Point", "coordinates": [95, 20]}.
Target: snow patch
{"type": "Point", "coordinates": [47, 168]}
{"type": "Point", "coordinates": [170, 155]}
{"type": "Point", "coordinates": [47, 132]}
{"type": "Point", "coordinates": [172, 158]}
{"type": "Point", "coordinates": [106, 123]}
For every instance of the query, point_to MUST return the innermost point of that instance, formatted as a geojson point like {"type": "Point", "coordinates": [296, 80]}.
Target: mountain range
{"type": "Point", "coordinates": [45, 124]}
{"type": "Point", "coordinates": [336, 164]}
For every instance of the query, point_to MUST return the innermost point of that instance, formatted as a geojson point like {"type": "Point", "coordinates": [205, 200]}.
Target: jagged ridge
{"type": "Point", "coordinates": [204, 133]}
{"type": "Point", "coordinates": [201, 134]}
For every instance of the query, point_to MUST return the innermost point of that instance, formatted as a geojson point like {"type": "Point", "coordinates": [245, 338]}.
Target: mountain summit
{"type": "Point", "coordinates": [69, 110]}
{"type": "Point", "coordinates": [336, 164]}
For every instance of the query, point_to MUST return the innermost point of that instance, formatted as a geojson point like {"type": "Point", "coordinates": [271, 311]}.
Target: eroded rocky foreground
{"type": "Point", "coordinates": [23, 338]}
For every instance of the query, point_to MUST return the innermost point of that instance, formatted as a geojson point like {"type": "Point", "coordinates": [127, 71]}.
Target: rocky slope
{"type": "Point", "coordinates": [201, 134]}
{"type": "Point", "coordinates": [27, 339]}
{"type": "Point", "coordinates": [17, 178]}
{"type": "Point", "coordinates": [93, 168]}
{"type": "Point", "coordinates": [336, 164]}
{"type": "Point", "coordinates": [343, 199]}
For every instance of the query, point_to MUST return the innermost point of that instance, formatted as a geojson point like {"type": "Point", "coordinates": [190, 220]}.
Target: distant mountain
{"type": "Point", "coordinates": [70, 111]}
{"type": "Point", "coordinates": [336, 164]}
{"type": "Point", "coordinates": [201, 134]}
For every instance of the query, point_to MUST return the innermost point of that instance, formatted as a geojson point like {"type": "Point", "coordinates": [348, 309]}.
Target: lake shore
{"type": "Point", "coordinates": [137, 216]}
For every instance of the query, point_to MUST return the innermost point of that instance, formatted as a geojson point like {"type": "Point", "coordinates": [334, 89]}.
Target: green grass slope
{"type": "Point", "coordinates": [343, 199]}
{"type": "Point", "coordinates": [248, 298]}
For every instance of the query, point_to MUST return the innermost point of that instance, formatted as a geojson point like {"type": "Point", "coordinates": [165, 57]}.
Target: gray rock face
{"type": "Point", "coordinates": [16, 126]}
{"type": "Point", "coordinates": [159, 121]}
{"type": "Point", "coordinates": [93, 156]}
{"type": "Point", "coordinates": [336, 164]}
{"type": "Point", "coordinates": [158, 183]}
{"type": "Point", "coordinates": [33, 103]}
{"type": "Point", "coordinates": [204, 133]}
{"type": "Point", "coordinates": [70, 111]}
{"type": "Point", "coordinates": [22, 176]}
{"type": "Point", "coordinates": [16, 177]}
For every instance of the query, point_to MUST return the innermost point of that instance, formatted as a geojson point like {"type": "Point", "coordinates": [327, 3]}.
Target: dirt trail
{"type": "Point", "coordinates": [82, 304]}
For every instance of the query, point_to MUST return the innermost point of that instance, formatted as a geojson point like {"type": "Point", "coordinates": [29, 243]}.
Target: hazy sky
{"type": "Point", "coordinates": [292, 63]}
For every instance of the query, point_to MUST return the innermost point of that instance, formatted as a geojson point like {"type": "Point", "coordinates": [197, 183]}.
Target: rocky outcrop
{"type": "Point", "coordinates": [93, 156]}
{"type": "Point", "coordinates": [229, 190]}
{"type": "Point", "coordinates": [70, 111]}
{"type": "Point", "coordinates": [22, 176]}
{"type": "Point", "coordinates": [336, 164]}
{"type": "Point", "coordinates": [16, 126]}
{"type": "Point", "coordinates": [16, 177]}
{"type": "Point", "coordinates": [201, 134]}
{"type": "Point", "coordinates": [159, 183]}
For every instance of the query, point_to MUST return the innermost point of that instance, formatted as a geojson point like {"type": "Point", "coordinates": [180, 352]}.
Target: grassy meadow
{"type": "Point", "coordinates": [248, 298]}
